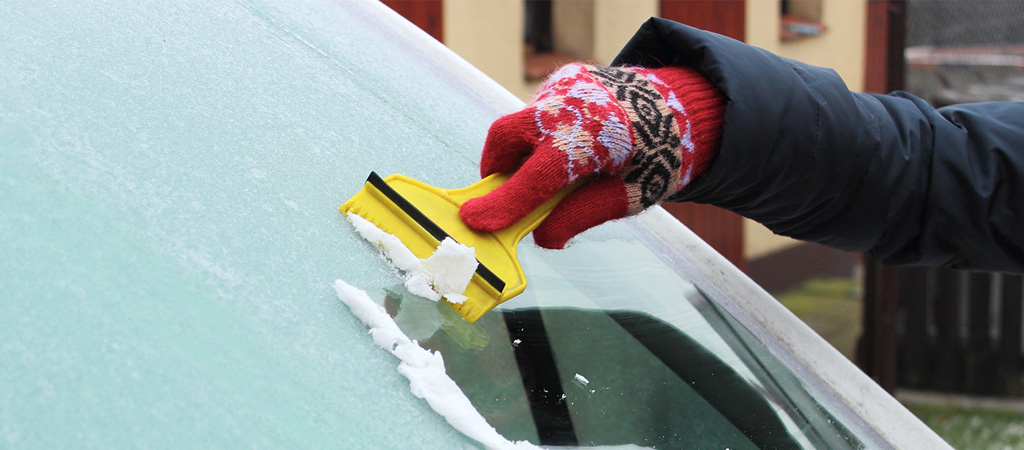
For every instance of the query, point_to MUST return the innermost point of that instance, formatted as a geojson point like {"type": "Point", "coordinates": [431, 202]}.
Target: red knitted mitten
{"type": "Point", "coordinates": [644, 133]}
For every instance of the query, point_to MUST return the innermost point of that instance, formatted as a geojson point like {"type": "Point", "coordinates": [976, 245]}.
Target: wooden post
{"type": "Point", "coordinates": [725, 17]}
{"type": "Point", "coordinates": [886, 37]}
{"type": "Point", "coordinates": [1009, 366]}
{"type": "Point", "coordinates": [979, 355]}
{"type": "Point", "coordinates": [876, 352]}
{"type": "Point", "coordinates": [948, 371]}
{"type": "Point", "coordinates": [876, 349]}
{"type": "Point", "coordinates": [426, 14]}
{"type": "Point", "coordinates": [721, 229]}
{"type": "Point", "coordinates": [914, 351]}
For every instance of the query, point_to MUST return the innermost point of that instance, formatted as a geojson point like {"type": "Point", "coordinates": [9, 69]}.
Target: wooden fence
{"type": "Point", "coordinates": [944, 330]}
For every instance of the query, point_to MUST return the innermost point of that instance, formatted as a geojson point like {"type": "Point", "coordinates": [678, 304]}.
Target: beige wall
{"type": "Point", "coordinates": [573, 27]}
{"type": "Point", "coordinates": [841, 47]}
{"type": "Point", "coordinates": [597, 29]}
{"type": "Point", "coordinates": [615, 21]}
{"type": "Point", "coordinates": [488, 34]}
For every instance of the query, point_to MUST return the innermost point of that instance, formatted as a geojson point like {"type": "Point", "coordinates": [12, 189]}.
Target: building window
{"type": "Point", "coordinates": [555, 33]}
{"type": "Point", "coordinates": [800, 19]}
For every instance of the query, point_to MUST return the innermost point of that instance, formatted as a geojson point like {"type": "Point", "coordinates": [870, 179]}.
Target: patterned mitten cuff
{"type": "Point", "coordinates": [642, 133]}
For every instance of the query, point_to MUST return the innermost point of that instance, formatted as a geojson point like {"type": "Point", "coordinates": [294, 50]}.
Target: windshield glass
{"type": "Point", "coordinates": [610, 346]}
{"type": "Point", "coordinates": [170, 177]}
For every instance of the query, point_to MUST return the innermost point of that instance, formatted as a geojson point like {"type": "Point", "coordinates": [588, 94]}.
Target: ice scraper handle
{"type": "Point", "coordinates": [639, 134]}
{"type": "Point", "coordinates": [512, 234]}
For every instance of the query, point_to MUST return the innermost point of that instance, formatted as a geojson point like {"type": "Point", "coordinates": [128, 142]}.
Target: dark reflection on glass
{"type": "Point", "coordinates": [537, 368]}
{"type": "Point", "coordinates": [737, 401]}
{"type": "Point", "coordinates": [646, 391]}
{"type": "Point", "coordinates": [587, 377]}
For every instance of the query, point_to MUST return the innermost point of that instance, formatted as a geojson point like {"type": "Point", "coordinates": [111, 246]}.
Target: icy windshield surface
{"type": "Point", "coordinates": [170, 176]}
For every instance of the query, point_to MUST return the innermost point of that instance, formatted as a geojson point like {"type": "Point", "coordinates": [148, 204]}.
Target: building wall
{"type": "Point", "coordinates": [615, 21]}
{"type": "Point", "coordinates": [841, 47]}
{"type": "Point", "coordinates": [488, 34]}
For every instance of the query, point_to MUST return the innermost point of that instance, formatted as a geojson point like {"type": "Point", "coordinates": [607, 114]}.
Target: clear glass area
{"type": "Point", "coordinates": [609, 347]}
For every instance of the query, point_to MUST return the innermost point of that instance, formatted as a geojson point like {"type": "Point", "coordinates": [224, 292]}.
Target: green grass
{"type": "Point", "coordinates": [973, 429]}
{"type": "Point", "coordinates": [831, 307]}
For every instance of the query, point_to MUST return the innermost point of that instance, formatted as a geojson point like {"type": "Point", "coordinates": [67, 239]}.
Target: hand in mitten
{"type": "Point", "coordinates": [642, 133]}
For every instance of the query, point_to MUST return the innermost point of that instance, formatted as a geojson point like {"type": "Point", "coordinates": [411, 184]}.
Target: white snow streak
{"type": "Point", "coordinates": [425, 371]}
{"type": "Point", "coordinates": [446, 273]}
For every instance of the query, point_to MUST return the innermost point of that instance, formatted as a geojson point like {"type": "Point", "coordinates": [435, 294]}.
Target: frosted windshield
{"type": "Point", "coordinates": [170, 176]}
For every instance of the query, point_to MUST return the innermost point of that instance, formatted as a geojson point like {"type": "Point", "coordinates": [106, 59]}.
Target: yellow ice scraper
{"type": "Point", "coordinates": [421, 216]}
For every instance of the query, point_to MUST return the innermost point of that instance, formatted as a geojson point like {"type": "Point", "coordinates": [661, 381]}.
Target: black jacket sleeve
{"type": "Point", "coordinates": [886, 175]}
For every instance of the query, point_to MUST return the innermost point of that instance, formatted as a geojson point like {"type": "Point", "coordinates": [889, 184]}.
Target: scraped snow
{"type": "Point", "coordinates": [425, 371]}
{"type": "Point", "coordinates": [446, 273]}
{"type": "Point", "coordinates": [451, 268]}
{"type": "Point", "coordinates": [582, 379]}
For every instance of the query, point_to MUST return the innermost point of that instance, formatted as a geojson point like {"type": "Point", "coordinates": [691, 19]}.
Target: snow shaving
{"type": "Point", "coordinates": [425, 371]}
{"type": "Point", "coordinates": [445, 274]}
